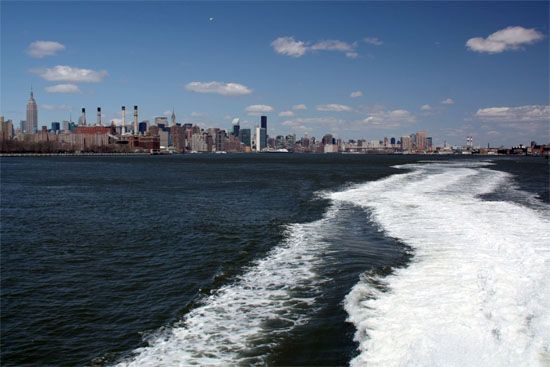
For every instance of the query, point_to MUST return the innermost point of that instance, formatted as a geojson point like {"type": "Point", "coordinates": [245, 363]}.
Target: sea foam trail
{"type": "Point", "coordinates": [242, 321]}
{"type": "Point", "coordinates": [477, 292]}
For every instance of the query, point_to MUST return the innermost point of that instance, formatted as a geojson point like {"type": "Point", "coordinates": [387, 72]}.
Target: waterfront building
{"type": "Point", "coordinates": [245, 137]}
{"type": "Point", "coordinates": [142, 127]}
{"type": "Point", "coordinates": [6, 128]}
{"type": "Point", "coordinates": [406, 143]}
{"type": "Point", "coordinates": [263, 125]}
{"type": "Point", "coordinates": [236, 127]}
{"type": "Point", "coordinates": [31, 126]}
{"type": "Point", "coordinates": [420, 142]}
{"type": "Point", "coordinates": [260, 138]}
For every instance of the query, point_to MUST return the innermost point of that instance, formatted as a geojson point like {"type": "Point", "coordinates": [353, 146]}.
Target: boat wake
{"type": "Point", "coordinates": [477, 291]}
{"type": "Point", "coordinates": [241, 322]}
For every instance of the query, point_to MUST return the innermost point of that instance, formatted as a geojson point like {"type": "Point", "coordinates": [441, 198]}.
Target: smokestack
{"type": "Point", "coordinates": [123, 122]}
{"type": "Point", "coordinates": [83, 117]}
{"type": "Point", "coordinates": [136, 127]}
{"type": "Point", "coordinates": [99, 116]}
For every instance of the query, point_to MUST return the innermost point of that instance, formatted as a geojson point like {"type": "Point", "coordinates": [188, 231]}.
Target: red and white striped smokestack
{"type": "Point", "coordinates": [136, 127]}
{"type": "Point", "coordinates": [123, 122]}
{"type": "Point", "coordinates": [99, 116]}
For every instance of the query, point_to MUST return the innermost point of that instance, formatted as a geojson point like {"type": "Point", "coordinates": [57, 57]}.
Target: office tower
{"type": "Point", "coordinates": [429, 143]}
{"type": "Point", "coordinates": [173, 118]}
{"type": "Point", "coordinates": [392, 141]}
{"type": "Point", "coordinates": [142, 128]}
{"type": "Point", "coordinates": [31, 125]}
{"type": "Point", "coordinates": [245, 137]}
{"type": "Point", "coordinates": [236, 127]}
{"type": "Point", "coordinates": [136, 124]}
{"type": "Point", "coordinates": [263, 125]}
{"type": "Point", "coordinates": [56, 126]}
{"type": "Point", "coordinates": [260, 138]}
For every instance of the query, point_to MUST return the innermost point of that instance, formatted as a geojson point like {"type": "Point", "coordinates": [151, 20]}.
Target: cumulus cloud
{"type": "Point", "coordinates": [39, 49]}
{"type": "Point", "coordinates": [510, 38]}
{"type": "Point", "coordinates": [448, 101]}
{"type": "Point", "coordinates": [225, 89]}
{"type": "Point", "coordinates": [530, 113]}
{"type": "Point", "coordinates": [61, 107]}
{"type": "Point", "coordinates": [333, 45]}
{"type": "Point", "coordinates": [286, 113]}
{"type": "Point", "coordinates": [373, 41]}
{"type": "Point", "coordinates": [258, 109]}
{"type": "Point", "coordinates": [291, 47]}
{"type": "Point", "coordinates": [425, 107]}
{"type": "Point", "coordinates": [334, 107]}
{"type": "Point", "coordinates": [389, 118]}
{"type": "Point", "coordinates": [297, 107]}
{"type": "Point", "coordinates": [63, 88]}
{"type": "Point", "coordinates": [356, 94]}
{"type": "Point", "coordinates": [64, 73]}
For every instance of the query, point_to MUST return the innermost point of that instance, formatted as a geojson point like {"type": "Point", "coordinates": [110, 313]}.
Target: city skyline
{"type": "Point", "coordinates": [329, 73]}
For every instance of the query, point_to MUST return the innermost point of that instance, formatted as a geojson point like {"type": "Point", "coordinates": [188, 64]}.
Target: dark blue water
{"type": "Point", "coordinates": [101, 255]}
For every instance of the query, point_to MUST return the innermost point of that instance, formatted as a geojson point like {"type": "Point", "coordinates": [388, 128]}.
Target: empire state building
{"type": "Point", "coordinates": [32, 115]}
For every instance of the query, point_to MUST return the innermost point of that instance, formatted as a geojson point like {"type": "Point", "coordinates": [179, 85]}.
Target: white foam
{"type": "Point", "coordinates": [477, 292]}
{"type": "Point", "coordinates": [240, 322]}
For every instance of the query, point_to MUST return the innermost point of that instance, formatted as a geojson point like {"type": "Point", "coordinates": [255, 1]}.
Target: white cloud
{"type": "Point", "coordinates": [356, 94]}
{"type": "Point", "coordinates": [196, 114]}
{"type": "Point", "coordinates": [425, 107]}
{"type": "Point", "coordinates": [62, 107]}
{"type": "Point", "coordinates": [448, 101]}
{"type": "Point", "coordinates": [389, 118]}
{"type": "Point", "coordinates": [286, 113]}
{"type": "Point", "coordinates": [510, 38]}
{"type": "Point", "coordinates": [289, 46]}
{"type": "Point", "coordinates": [39, 49]}
{"type": "Point", "coordinates": [258, 109]}
{"type": "Point", "coordinates": [66, 73]}
{"type": "Point", "coordinates": [225, 89]}
{"type": "Point", "coordinates": [532, 113]}
{"type": "Point", "coordinates": [333, 45]}
{"type": "Point", "coordinates": [373, 41]}
{"type": "Point", "coordinates": [63, 88]}
{"type": "Point", "coordinates": [297, 107]}
{"type": "Point", "coordinates": [334, 107]}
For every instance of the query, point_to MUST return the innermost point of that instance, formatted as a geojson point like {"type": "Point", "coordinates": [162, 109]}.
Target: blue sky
{"type": "Point", "coordinates": [451, 68]}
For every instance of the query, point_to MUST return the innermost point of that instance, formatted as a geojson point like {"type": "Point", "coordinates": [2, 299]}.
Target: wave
{"type": "Point", "coordinates": [477, 291]}
{"type": "Point", "coordinates": [242, 321]}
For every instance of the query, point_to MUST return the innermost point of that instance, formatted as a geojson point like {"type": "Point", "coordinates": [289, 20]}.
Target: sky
{"type": "Point", "coordinates": [358, 70]}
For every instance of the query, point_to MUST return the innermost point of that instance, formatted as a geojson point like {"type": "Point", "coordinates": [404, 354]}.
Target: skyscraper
{"type": "Point", "coordinates": [263, 125]}
{"type": "Point", "coordinates": [31, 125]}
{"type": "Point", "coordinates": [173, 118]}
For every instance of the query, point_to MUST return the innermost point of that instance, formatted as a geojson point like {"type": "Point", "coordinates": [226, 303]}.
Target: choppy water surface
{"type": "Point", "coordinates": [275, 259]}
